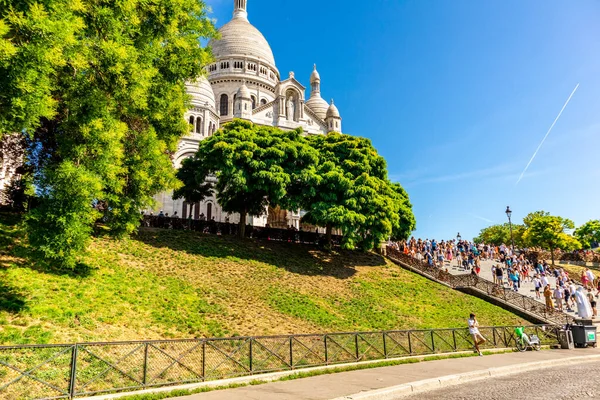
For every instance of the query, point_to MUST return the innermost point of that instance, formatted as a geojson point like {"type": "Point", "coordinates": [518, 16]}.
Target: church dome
{"type": "Point", "coordinates": [332, 111]}
{"type": "Point", "coordinates": [202, 93]}
{"type": "Point", "coordinates": [318, 105]}
{"type": "Point", "coordinates": [243, 92]}
{"type": "Point", "coordinates": [240, 38]}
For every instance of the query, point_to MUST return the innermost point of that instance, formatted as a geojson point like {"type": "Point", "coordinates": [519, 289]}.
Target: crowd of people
{"type": "Point", "coordinates": [509, 269]}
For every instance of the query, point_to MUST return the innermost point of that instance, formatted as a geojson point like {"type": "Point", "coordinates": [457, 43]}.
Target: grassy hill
{"type": "Point", "coordinates": [172, 284]}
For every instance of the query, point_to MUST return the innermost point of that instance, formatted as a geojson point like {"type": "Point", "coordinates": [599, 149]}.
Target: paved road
{"type": "Point", "coordinates": [574, 382]}
{"type": "Point", "coordinates": [325, 387]}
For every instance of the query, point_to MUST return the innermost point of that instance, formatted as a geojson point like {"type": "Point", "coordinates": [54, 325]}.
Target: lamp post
{"type": "Point", "coordinates": [458, 237]}
{"type": "Point", "coordinates": [512, 240]}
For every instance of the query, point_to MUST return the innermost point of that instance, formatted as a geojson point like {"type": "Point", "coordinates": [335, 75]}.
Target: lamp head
{"type": "Point", "coordinates": [508, 211]}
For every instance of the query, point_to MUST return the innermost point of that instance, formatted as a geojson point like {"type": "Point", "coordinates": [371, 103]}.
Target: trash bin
{"type": "Point", "coordinates": [565, 337]}
{"type": "Point", "coordinates": [584, 336]}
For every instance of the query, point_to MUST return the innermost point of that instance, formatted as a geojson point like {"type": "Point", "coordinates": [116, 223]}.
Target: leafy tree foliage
{"type": "Point", "coordinates": [406, 222]}
{"type": "Point", "coordinates": [500, 234]}
{"type": "Point", "coordinates": [352, 193]}
{"type": "Point", "coordinates": [254, 166]}
{"type": "Point", "coordinates": [548, 232]}
{"type": "Point", "coordinates": [99, 87]}
{"type": "Point", "coordinates": [588, 233]}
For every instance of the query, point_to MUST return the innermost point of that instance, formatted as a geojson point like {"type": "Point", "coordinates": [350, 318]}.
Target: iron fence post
{"type": "Point", "coordinates": [204, 360]}
{"type": "Point", "coordinates": [384, 346]}
{"type": "Point", "coordinates": [432, 342]}
{"type": "Point", "coordinates": [326, 355]}
{"type": "Point", "coordinates": [291, 352]}
{"type": "Point", "coordinates": [409, 344]}
{"type": "Point", "coordinates": [494, 336]}
{"type": "Point", "coordinates": [356, 345]}
{"type": "Point", "coordinates": [250, 354]}
{"type": "Point", "coordinates": [145, 364]}
{"type": "Point", "coordinates": [454, 339]}
{"type": "Point", "coordinates": [73, 375]}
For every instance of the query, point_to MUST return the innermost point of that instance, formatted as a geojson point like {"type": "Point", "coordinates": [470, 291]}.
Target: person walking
{"type": "Point", "coordinates": [478, 338]}
{"type": "Point", "coordinates": [558, 297]}
{"type": "Point", "coordinates": [592, 300]}
{"type": "Point", "coordinates": [548, 297]}
{"type": "Point", "coordinates": [538, 286]}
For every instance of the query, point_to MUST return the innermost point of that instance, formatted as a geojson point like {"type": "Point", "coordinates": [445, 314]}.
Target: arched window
{"type": "Point", "coordinates": [209, 211]}
{"type": "Point", "coordinates": [253, 102]}
{"type": "Point", "coordinates": [198, 125]}
{"type": "Point", "coordinates": [224, 105]}
{"type": "Point", "coordinates": [192, 122]}
{"type": "Point", "coordinates": [263, 102]}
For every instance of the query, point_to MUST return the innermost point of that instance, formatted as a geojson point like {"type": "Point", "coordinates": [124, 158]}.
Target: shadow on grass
{"type": "Point", "coordinates": [296, 258]}
{"type": "Point", "coordinates": [15, 252]}
{"type": "Point", "coordinates": [10, 300]}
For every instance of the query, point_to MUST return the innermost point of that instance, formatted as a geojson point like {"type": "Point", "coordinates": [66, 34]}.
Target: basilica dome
{"type": "Point", "coordinates": [240, 38]}
{"type": "Point", "coordinates": [202, 93]}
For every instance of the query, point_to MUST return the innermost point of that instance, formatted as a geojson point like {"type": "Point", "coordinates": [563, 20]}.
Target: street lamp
{"type": "Point", "coordinates": [512, 240]}
{"type": "Point", "coordinates": [458, 237]}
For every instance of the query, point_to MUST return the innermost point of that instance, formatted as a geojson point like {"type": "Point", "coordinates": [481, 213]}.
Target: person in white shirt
{"type": "Point", "coordinates": [590, 276]}
{"type": "Point", "coordinates": [538, 286]}
{"type": "Point", "coordinates": [545, 281]}
{"type": "Point", "coordinates": [474, 331]}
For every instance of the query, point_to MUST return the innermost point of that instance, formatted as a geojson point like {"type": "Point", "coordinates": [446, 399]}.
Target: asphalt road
{"type": "Point", "coordinates": [573, 382]}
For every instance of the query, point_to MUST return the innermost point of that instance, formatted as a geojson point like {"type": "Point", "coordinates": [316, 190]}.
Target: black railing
{"type": "Point", "coordinates": [85, 369]}
{"type": "Point", "coordinates": [223, 228]}
{"type": "Point", "coordinates": [494, 290]}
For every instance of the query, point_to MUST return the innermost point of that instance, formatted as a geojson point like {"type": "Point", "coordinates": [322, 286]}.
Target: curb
{"type": "Point", "coordinates": [427, 385]}
{"type": "Point", "coordinates": [268, 377]}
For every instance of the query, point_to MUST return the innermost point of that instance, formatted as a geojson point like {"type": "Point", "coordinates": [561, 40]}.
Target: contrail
{"type": "Point", "coordinates": [547, 133]}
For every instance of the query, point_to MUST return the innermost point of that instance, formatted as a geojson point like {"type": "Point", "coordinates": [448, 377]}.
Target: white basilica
{"type": "Point", "coordinates": [244, 83]}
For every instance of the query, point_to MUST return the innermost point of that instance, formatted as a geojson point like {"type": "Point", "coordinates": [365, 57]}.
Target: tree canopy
{"type": "Point", "coordinates": [254, 166]}
{"type": "Point", "coordinates": [588, 234]}
{"type": "Point", "coordinates": [548, 232]}
{"type": "Point", "coordinates": [352, 193]}
{"type": "Point", "coordinates": [500, 234]}
{"type": "Point", "coordinates": [99, 90]}
{"type": "Point", "coordinates": [339, 180]}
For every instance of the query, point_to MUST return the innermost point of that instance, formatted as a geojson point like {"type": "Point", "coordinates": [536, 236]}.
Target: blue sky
{"type": "Point", "coordinates": [457, 95]}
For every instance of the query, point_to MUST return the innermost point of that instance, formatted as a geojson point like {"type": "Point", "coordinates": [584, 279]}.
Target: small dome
{"type": "Point", "coordinates": [202, 93]}
{"type": "Point", "coordinates": [243, 92]}
{"type": "Point", "coordinates": [318, 105]}
{"type": "Point", "coordinates": [240, 38]}
{"type": "Point", "coordinates": [332, 111]}
{"type": "Point", "coordinates": [314, 77]}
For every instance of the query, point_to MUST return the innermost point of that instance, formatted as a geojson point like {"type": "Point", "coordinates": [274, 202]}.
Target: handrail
{"type": "Point", "coordinates": [491, 289]}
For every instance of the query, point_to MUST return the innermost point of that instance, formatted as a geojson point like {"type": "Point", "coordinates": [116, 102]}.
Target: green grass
{"type": "Point", "coordinates": [175, 284]}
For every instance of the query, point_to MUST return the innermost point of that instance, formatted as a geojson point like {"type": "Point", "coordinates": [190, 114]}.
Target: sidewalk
{"type": "Point", "coordinates": [326, 387]}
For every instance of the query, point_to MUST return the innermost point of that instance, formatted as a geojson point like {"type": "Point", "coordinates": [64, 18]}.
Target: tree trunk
{"type": "Point", "coordinates": [328, 231]}
{"type": "Point", "coordinates": [242, 226]}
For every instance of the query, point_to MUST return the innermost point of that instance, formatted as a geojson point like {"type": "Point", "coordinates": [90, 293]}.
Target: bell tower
{"type": "Point", "coordinates": [239, 9]}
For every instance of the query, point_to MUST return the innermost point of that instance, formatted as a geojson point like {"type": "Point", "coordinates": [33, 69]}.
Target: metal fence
{"type": "Point", "coordinates": [222, 228]}
{"type": "Point", "coordinates": [491, 289]}
{"type": "Point", "coordinates": [68, 371]}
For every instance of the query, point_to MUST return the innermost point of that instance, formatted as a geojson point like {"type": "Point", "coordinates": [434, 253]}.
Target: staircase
{"type": "Point", "coordinates": [529, 308]}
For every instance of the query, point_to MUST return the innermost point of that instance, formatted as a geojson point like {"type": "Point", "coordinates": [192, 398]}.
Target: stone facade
{"type": "Point", "coordinates": [245, 83]}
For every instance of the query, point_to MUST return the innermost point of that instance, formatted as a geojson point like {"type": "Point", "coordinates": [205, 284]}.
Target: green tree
{"type": "Point", "coordinates": [254, 166]}
{"type": "Point", "coordinates": [99, 86]}
{"type": "Point", "coordinates": [500, 234]}
{"type": "Point", "coordinates": [406, 221]}
{"type": "Point", "coordinates": [351, 192]}
{"type": "Point", "coordinates": [588, 233]}
{"type": "Point", "coordinates": [548, 232]}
